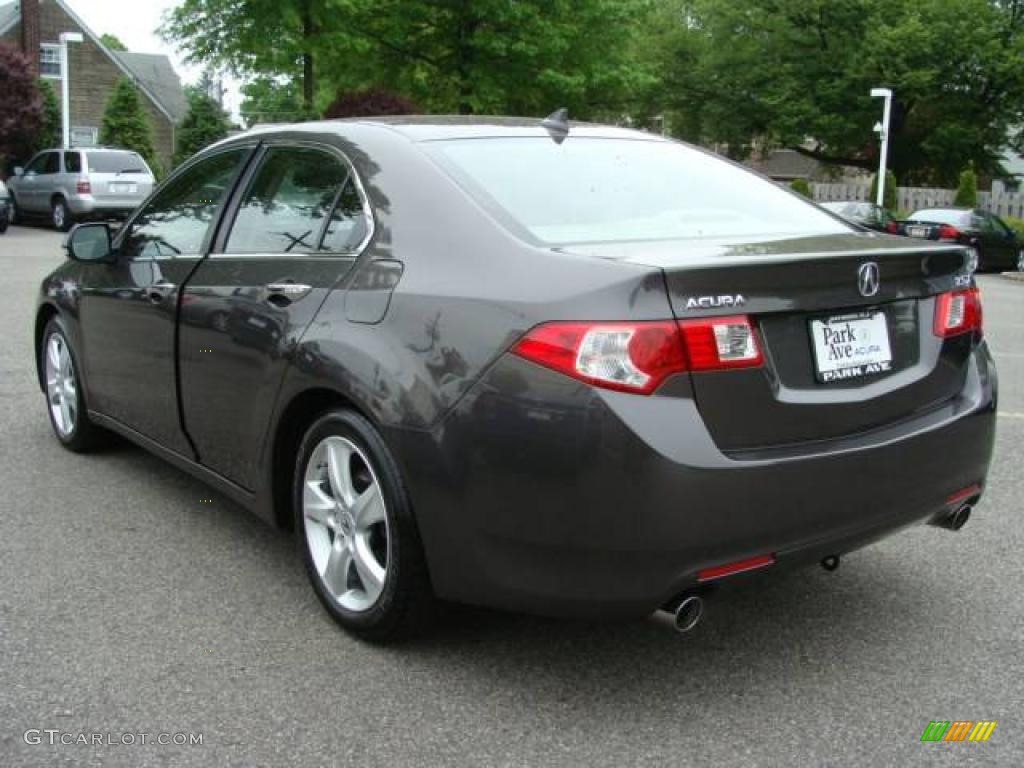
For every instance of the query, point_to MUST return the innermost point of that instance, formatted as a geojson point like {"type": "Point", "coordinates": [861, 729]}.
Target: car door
{"type": "Point", "coordinates": [298, 225]}
{"type": "Point", "coordinates": [1008, 244]}
{"type": "Point", "coordinates": [128, 312]}
{"type": "Point", "coordinates": [30, 184]}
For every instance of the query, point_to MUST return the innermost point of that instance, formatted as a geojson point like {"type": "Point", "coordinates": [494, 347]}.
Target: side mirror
{"type": "Point", "coordinates": [89, 242]}
{"type": "Point", "coordinates": [19, 170]}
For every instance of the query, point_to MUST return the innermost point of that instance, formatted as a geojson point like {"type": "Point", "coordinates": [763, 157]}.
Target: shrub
{"type": "Point", "coordinates": [51, 133]}
{"type": "Point", "coordinates": [889, 201]}
{"type": "Point", "coordinates": [801, 186]}
{"type": "Point", "coordinates": [126, 125]}
{"type": "Point", "coordinates": [967, 192]}
{"type": "Point", "coordinates": [1017, 225]}
{"type": "Point", "coordinates": [21, 113]}
{"type": "Point", "coordinates": [369, 103]}
{"type": "Point", "coordinates": [204, 124]}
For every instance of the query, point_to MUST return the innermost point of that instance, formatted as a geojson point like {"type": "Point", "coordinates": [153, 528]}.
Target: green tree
{"type": "Point", "coordinates": [113, 42]}
{"type": "Point", "coordinates": [889, 195]}
{"type": "Point", "coordinates": [967, 191]}
{"type": "Point", "coordinates": [125, 123]}
{"type": "Point", "coordinates": [270, 100]}
{"type": "Point", "coordinates": [798, 73]}
{"type": "Point", "coordinates": [801, 186]}
{"type": "Point", "coordinates": [526, 57]}
{"type": "Point", "coordinates": [51, 131]}
{"type": "Point", "coordinates": [204, 123]}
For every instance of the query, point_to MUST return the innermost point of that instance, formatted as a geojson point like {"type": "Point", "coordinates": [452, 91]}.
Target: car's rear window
{"type": "Point", "coordinates": [115, 162]}
{"type": "Point", "coordinates": [942, 216]}
{"type": "Point", "coordinates": [601, 189]}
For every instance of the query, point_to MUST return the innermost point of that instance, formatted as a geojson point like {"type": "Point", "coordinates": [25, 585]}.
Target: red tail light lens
{"type": "Point", "coordinates": [892, 227]}
{"type": "Point", "coordinates": [83, 187]}
{"type": "Point", "coordinates": [948, 232]}
{"type": "Point", "coordinates": [957, 312]}
{"type": "Point", "coordinates": [638, 357]}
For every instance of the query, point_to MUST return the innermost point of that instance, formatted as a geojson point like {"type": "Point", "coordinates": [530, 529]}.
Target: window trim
{"type": "Point", "coordinates": [231, 213]}
{"type": "Point", "coordinates": [218, 217]}
{"type": "Point", "coordinates": [51, 47]}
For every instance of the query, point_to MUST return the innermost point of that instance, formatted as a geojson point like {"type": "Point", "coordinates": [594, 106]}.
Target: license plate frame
{"type": "Point", "coordinates": [123, 188]}
{"type": "Point", "coordinates": [850, 346]}
{"type": "Point", "coordinates": [917, 231]}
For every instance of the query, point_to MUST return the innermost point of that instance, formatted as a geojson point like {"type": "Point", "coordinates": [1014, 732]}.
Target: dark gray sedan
{"type": "Point", "coordinates": [573, 370]}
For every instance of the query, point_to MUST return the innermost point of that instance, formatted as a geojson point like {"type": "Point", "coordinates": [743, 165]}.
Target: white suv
{"type": "Point", "coordinates": [71, 184]}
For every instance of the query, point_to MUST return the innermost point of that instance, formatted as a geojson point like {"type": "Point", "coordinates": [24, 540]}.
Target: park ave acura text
{"type": "Point", "coordinates": [571, 370]}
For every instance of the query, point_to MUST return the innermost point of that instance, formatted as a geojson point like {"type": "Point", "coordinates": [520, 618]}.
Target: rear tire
{"type": "Point", "coordinates": [356, 533]}
{"type": "Point", "coordinates": [61, 216]}
{"type": "Point", "coordinates": [65, 403]}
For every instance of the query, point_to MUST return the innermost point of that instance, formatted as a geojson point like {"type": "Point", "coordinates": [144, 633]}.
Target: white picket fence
{"type": "Point", "coordinates": [913, 198]}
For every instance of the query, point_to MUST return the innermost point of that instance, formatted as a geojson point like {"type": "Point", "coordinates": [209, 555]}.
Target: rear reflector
{"type": "Point", "coordinates": [966, 493]}
{"type": "Point", "coordinates": [739, 566]}
{"type": "Point", "coordinates": [638, 357]}
{"type": "Point", "coordinates": [957, 312]}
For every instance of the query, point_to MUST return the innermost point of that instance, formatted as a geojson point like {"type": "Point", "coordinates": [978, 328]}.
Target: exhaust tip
{"type": "Point", "coordinates": [959, 518]}
{"type": "Point", "coordinates": [830, 563]}
{"type": "Point", "coordinates": [689, 613]}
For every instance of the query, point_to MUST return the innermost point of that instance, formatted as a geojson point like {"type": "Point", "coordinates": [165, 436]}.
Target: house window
{"type": "Point", "coordinates": [49, 60]}
{"type": "Point", "coordinates": [84, 136]}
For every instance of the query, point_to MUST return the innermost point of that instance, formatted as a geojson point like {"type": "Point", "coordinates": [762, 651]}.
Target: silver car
{"type": "Point", "coordinates": [71, 184]}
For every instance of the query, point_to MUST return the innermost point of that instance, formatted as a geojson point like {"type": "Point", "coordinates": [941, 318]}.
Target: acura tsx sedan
{"type": "Point", "coordinates": [569, 370]}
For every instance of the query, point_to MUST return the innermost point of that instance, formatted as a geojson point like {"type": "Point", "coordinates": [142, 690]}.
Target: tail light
{"type": "Point", "coordinates": [892, 227]}
{"type": "Point", "coordinates": [638, 357]}
{"type": "Point", "coordinates": [949, 232]}
{"type": "Point", "coordinates": [957, 312]}
{"type": "Point", "coordinates": [83, 187]}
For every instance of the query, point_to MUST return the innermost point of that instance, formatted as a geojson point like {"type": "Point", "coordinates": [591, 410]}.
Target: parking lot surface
{"type": "Point", "coordinates": [131, 604]}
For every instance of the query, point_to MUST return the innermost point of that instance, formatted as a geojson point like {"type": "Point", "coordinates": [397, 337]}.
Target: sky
{"type": "Point", "coordinates": [135, 23]}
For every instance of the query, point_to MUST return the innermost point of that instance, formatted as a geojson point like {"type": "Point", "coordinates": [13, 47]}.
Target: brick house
{"type": "Point", "coordinates": [35, 26]}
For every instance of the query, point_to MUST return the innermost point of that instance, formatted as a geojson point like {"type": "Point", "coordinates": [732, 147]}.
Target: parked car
{"type": "Point", "coordinates": [5, 208]}
{"type": "Point", "coordinates": [523, 364]}
{"type": "Point", "coordinates": [77, 184]}
{"type": "Point", "coordinates": [868, 215]}
{"type": "Point", "coordinates": [997, 247]}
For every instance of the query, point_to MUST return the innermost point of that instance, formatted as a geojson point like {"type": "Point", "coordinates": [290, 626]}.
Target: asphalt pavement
{"type": "Point", "coordinates": [133, 600]}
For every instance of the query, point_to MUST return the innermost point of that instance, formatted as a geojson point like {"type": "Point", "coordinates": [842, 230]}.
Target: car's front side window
{"type": "Point", "coordinates": [37, 164]}
{"type": "Point", "coordinates": [52, 163]}
{"type": "Point", "coordinates": [296, 195]}
{"type": "Point", "coordinates": [176, 222]}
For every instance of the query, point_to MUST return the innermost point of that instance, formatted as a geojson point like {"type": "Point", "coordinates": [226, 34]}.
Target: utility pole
{"type": "Point", "coordinates": [882, 129]}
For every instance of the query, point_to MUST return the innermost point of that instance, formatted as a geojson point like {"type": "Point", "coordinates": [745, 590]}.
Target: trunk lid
{"type": "Point", "coordinates": [786, 285]}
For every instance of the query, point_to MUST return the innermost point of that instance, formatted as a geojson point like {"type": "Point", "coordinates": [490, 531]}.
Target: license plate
{"type": "Point", "coordinates": [122, 189]}
{"type": "Point", "coordinates": [850, 346]}
{"type": "Point", "coordinates": [918, 231]}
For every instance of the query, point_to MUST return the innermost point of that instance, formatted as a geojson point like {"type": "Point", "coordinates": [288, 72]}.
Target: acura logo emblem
{"type": "Point", "coordinates": [867, 279]}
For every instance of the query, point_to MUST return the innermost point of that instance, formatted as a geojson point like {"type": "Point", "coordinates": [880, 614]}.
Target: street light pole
{"type": "Point", "coordinates": [883, 131]}
{"type": "Point", "coordinates": [65, 85]}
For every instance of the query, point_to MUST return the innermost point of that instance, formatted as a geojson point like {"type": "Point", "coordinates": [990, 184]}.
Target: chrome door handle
{"type": "Point", "coordinates": [157, 292]}
{"type": "Point", "coordinates": [283, 294]}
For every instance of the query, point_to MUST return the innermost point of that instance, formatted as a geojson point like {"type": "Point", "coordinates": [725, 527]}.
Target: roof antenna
{"type": "Point", "coordinates": [557, 125]}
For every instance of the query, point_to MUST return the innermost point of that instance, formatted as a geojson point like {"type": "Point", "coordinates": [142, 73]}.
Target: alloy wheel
{"type": "Point", "coordinates": [60, 385]}
{"type": "Point", "coordinates": [346, 523]}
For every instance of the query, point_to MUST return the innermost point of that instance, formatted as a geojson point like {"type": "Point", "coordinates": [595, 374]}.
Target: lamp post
{"type": "Point", "coordinates": [882, 129]}
{"type": "Point", "coordinates": [65, 85]}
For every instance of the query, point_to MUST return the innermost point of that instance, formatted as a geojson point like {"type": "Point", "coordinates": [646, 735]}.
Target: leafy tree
{"type": "Point", "coordinates": [21, 115]}
{"type": "Point", "coordinates": [798, 73]}
{"type": "Point", "coordinates": [967, 191]}
{"type": "Point", "coordinates": [113, 42]}
{"type": "Point", "coordinates": [51, 131]}
{"type": "Point", "coordinates": [204, 123]}
{"type": "Point", "coordinates": [374, 101]}
{"type": "Point", "coordinates": [267, 100]}
{"type": "Point", "coordinates": [527, 57]}
{"type": "Point", "coordinates": [125, 123]}
{"type": "Point", "coordinates": [801, 186]}
{"type": "Point", "coordinates": [889, 195]}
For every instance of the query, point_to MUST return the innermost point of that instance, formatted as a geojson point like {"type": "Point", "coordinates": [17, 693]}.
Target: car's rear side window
{"type": "Point", "coordinates": [296, 197]}
{"type": "Point", "coordinates": [605, 189]}
{"type": "Point", "coordinates": [72, 162]}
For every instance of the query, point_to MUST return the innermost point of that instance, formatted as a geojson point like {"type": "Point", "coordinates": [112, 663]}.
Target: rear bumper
{"type": "Point", "coordinates": [540, 494]}
{"type": "Point", "coordinates": [87, 205]}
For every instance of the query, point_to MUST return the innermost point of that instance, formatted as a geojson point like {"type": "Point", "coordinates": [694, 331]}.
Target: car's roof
{"type": "Point", "coordinates": [439, 127]}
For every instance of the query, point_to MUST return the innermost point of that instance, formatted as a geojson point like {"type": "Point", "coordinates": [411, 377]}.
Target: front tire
{"type": "Point", "coordinates": [355, 530]}
{"type": "Point", "coordinates": [65, 403]}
